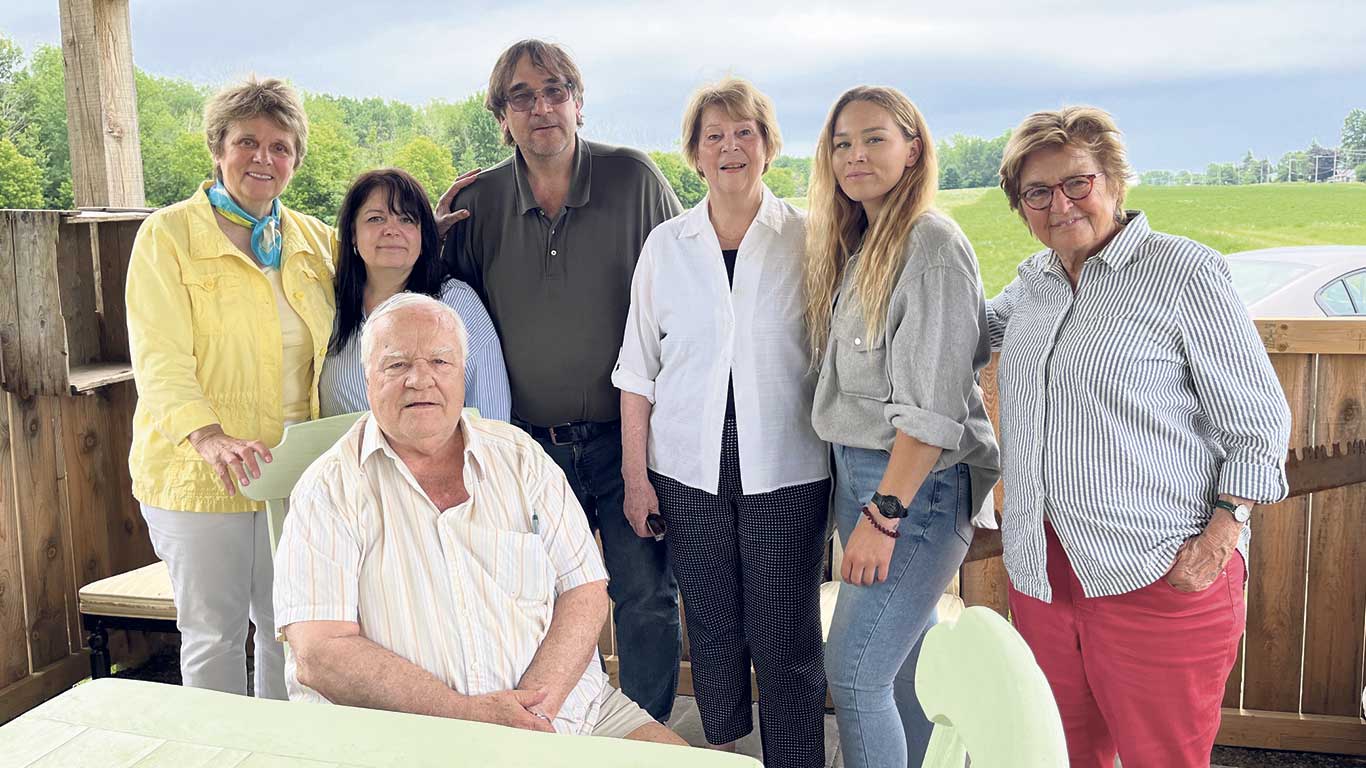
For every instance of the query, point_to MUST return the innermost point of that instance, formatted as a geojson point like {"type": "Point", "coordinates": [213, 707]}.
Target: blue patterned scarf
{"type": "Point", "coordinates": [266, 242]}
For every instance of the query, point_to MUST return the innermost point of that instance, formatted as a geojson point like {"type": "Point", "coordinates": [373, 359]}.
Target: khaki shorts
{"type": "Point", "coordinates": [619, 717]}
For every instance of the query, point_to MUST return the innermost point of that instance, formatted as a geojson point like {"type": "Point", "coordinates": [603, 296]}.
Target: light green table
{"type": "Point", "coordinates": [114, 723]}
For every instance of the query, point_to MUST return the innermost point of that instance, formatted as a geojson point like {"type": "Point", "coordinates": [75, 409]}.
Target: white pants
{"type": "Point", "coordinates": [221, 575]}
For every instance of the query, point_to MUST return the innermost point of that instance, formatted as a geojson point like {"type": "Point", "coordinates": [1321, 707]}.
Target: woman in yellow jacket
{"type": "Point", "coordinates": [230, 307]}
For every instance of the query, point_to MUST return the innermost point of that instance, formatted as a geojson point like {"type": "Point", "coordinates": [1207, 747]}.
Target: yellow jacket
{"type": "Point", "coordinates": [206, 345]}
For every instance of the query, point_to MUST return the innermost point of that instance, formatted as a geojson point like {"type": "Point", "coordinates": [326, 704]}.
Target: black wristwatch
{"type": "Point", "coordinates": [889, 507]}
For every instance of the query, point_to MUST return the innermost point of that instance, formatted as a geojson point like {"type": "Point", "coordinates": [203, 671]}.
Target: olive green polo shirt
{"type": "Point", "coordinates": [558, 291]}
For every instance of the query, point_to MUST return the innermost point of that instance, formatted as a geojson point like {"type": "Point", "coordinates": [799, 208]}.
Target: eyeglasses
{"type": "Point", "coordinates": [1073, 187]}
{"type": "Point", "coordinates": [554, 95]}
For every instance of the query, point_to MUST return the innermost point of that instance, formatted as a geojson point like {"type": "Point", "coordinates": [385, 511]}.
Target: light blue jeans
{"type": "Point", "coordinates": [875, 635]}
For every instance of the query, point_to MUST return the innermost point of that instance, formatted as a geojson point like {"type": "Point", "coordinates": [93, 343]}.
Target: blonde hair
{"type": "Point", "coordinates": [1088, 128]}
{"type": "Point", "coordinates": [252, 98]}
{"type": "Point", "coordinates": [837, 227]}
{"type": "Point", "coordinates": [552, 58]}
{"type": "Point", "coordinates": [741, 101]}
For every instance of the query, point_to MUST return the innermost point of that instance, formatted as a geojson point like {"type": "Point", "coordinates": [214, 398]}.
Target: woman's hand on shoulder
{"type": "Point", "coordinates": [445, 217]}
{"type": "Point", "coordinates": [229, 456]}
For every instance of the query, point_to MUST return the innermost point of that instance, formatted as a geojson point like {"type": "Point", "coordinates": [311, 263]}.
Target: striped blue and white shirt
{"type": "Point", "coordinates": [341, 387]}
{"type": "Point", "coordinates": [1127, 406]}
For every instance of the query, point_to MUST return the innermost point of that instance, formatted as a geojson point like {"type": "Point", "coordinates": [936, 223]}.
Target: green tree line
{"type": "Point", "coordinates": [346, 136]}
{"type": "Point", "coordinates": [1313, 163]}
{"type": "Point", "coordinates": [433, 141]}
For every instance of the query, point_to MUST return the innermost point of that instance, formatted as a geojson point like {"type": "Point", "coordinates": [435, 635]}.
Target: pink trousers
{"type": "Point", "coordinates": [1140, 673]}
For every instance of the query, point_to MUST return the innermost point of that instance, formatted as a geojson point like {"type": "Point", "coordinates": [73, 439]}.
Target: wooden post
{"type": "Point", "coordinates": [101, 104]}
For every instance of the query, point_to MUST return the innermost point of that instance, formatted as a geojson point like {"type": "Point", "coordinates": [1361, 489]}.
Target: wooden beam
{"type": "Point", "coordinates": [1332, 734]}
{"type": "Point", "coordinates": [42, 685]}
{"type": "Point", "coordinates": [101, 104]}
{"type": "Point", "coordinates": [1316, 336]}
{"type": "Point", "coordinates": [14, 664]}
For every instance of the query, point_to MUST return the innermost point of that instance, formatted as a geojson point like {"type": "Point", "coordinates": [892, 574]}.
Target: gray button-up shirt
{"type": "Point", "coordinates": [1127, 406]}
{"type": "Point", "coordinates": [920, 376]}
{"type": "Point", "coordinates": [558, 290]}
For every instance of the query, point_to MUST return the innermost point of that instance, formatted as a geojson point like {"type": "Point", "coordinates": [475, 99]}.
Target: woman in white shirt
{"type": "Point", "coordinates": [716, 392]}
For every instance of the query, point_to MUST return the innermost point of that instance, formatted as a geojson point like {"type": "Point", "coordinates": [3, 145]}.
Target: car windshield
{"type": "Point", "coordinates": [1254, 279]}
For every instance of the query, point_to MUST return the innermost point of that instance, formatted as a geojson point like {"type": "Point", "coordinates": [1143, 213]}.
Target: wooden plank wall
{"type": "Point", "coordinates": [1337, 543]}
{"type": "Point", "coordinates": [31, 324]}
{"type": "Point", "coordinates": [67, 518]}
{"type": "Point", "coordinates": [67, 515]}
{"type": "Point", "coordinates": [1274, 641]}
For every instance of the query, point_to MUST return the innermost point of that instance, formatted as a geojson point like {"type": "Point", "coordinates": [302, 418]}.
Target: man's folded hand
{"type": "Point", "coordinates": [511, 708]}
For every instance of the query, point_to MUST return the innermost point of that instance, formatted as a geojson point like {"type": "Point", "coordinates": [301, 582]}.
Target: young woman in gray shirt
{"type": "Point", "coordinates": [898, 399]}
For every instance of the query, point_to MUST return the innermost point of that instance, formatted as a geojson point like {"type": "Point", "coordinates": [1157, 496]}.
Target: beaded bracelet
{"type": "Point", "coordinates": [880, 529]}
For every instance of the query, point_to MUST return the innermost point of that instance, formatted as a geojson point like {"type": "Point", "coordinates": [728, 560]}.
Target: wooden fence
{"type": "Point", "coordinates": [67, 516]}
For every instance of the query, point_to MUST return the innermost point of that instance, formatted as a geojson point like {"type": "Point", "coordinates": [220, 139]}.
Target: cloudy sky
{"type": "Point", "coordinates": [1189, 81]}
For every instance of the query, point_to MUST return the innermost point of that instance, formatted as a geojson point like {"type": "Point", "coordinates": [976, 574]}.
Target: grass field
{"type": "Point", "coordinates": [1225, 218]}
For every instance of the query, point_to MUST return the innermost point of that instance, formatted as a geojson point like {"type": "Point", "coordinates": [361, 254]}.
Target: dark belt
{"type": "Point", "coordinates": [573, 432]}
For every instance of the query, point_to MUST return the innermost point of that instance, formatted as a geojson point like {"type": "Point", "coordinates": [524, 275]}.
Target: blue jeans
{"type": "Point", "coordinates": [876, 631]}
{"type": "Point", "coordinates": [645, 596]}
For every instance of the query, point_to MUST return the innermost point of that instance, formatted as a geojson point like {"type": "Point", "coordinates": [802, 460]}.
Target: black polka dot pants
{"type": "Point", "coordinates": [749, 571]}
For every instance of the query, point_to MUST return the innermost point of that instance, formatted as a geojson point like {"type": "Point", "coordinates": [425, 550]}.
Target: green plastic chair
{"type": "Point", "coordinates": [302, 443]}
{"type": "Point", "coordinates": [978, 682]}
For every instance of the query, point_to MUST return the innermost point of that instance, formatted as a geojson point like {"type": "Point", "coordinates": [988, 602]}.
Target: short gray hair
{"type": "Point", "coordinates": [409, 300]}
{"type": "Point", "coordinates": [252, 98]}
{"type": "Point", "coordinates": [1088, 128]}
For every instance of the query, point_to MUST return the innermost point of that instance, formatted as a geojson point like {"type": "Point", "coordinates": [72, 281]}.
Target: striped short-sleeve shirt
{"type": "Point", "coordinates": [1127, 407]}
{"type": "Point", "coordinates": [465, 593]}
{"type": "Point", "coordinates": [341, 387]}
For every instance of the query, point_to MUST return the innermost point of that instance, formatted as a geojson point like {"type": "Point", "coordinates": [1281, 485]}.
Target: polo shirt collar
{"type": "Point", "coordinates": [579, 183]}
{"type": "Point", "coordinates": [1120, 251]}
{"type": "Point", "coordinates": [696, 221]}
{"type": "Point", "coordinates": [373, 440]}
{"type": "Point", "coordinates": [204, 229]}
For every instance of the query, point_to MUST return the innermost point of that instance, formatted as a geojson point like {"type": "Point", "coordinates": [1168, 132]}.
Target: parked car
{"type": "Point", "coordinates": [1302, 281]}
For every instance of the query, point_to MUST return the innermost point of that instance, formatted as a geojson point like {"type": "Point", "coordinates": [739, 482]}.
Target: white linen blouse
{"type": "Point", "coordinates": [690, 331]}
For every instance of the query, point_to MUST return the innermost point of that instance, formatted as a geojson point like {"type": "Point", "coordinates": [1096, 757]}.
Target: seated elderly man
{"type": "Point", "coordinates": [438, 563]}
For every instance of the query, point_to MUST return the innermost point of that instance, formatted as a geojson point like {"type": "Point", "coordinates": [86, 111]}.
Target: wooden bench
{"type": "Point", "coordinates": [143, 600]}
{"type": "Point", "coordinates": [139, 600]}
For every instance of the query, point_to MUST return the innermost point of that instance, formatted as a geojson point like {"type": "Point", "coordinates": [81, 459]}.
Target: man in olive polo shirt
{"type": "Point", "coordinates": [551, 244]}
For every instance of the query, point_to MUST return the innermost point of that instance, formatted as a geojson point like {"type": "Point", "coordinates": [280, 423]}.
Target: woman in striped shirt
{"type": "Point", "coordinates": [388, 243]}
{"type": "Point", "coordinates": [1140, 420]}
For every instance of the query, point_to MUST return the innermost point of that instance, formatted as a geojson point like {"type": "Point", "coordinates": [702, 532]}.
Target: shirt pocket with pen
{"type": "Point", "coordinates": [518, 565]}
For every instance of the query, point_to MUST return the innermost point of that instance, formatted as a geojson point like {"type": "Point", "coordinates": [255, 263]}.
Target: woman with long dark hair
{"type": "Point", "coordinates": [388, 243]}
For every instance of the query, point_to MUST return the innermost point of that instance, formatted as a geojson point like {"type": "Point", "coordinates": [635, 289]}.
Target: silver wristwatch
{"type": "Point", "coordinates": [1241, 512]}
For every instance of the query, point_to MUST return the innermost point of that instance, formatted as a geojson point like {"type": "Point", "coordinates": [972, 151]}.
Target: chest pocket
{"type": "Point", "coordinates": [310, 295]}
{"type": "Point", "coordinates": [518, 565]}
{"type": "Point", "coordinates": [860, 361]}
{"type": "Point", "coordinates": [218, 301]}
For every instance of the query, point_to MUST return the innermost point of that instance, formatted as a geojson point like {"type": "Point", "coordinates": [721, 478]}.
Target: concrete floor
{"type": "Point", "coordinates": [164, 668]}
